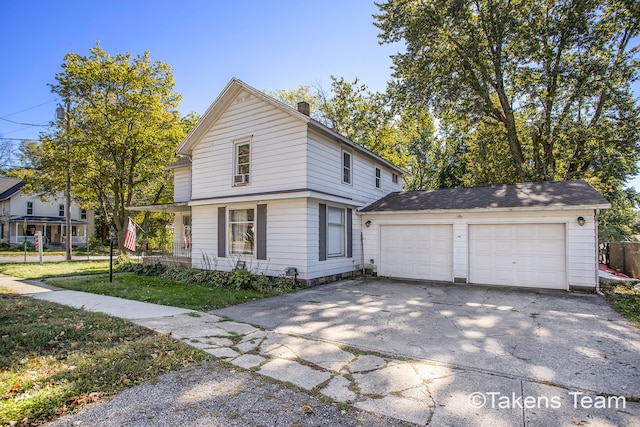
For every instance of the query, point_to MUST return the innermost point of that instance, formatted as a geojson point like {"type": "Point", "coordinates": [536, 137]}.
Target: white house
{"type": "Point", "coordinates": [21, 215]}
{"type": "Point", "coordinates": [263, 186]}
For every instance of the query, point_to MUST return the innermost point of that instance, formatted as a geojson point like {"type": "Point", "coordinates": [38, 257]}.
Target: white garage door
{"type": "Point", "coordinates": [416, 252]}
{"type": "Point", "coordinates": [529, 255]}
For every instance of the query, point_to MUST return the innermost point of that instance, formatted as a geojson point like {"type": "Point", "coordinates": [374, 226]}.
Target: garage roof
{"type": "Point", "coordinates": [541, 195]}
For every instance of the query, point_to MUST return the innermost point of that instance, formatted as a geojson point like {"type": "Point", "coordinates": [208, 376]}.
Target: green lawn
{"type": "Point", "coordinates": [55, 358]}
{"type": "Point", "coordinates": [160, 291]}
{"type": "Point", "coordinates": [625, 299]}
{"type": "Point", "coordinates": [36, 271]}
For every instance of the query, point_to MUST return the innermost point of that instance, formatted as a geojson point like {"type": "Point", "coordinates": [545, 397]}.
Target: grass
{"type": "Point", "coordinates": [625, 299]}
{"type": "Point", "coordinates": [36, 271]}
{"type": "Point", "coordinates": [55, 358]}
{"type": "Point", "coordinates": [160, 291]}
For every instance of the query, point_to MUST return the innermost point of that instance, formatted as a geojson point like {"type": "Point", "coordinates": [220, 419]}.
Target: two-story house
{"type": "Point", "coordinates": [21, 215]}
{"type": "Point", "coordinates": [262, 185]}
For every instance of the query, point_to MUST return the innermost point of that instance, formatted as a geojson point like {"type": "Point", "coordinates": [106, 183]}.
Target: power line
{"type": "Point", "coordinates": [23, 124]}
{"type": "Point", "coordinates": [30, 108]}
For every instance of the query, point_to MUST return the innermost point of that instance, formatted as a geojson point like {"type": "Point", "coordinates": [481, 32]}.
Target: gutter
{"type": "Point", "coordinates": [596, 214]}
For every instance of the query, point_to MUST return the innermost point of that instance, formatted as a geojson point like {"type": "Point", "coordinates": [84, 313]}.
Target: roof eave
{"type": "Point", "coordinates": [342, 139]}
{"type": "Point", "coordinates": [214, 111]}
{"type": "Point", "coordinates": [489, 209]}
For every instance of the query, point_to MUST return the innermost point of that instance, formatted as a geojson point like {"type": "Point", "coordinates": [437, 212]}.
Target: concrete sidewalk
{"type": "Point", "coordinates": [416, 391]}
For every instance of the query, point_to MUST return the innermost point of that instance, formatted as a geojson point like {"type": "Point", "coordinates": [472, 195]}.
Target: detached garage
{"type": "Point", "coordinates": [539, 235]}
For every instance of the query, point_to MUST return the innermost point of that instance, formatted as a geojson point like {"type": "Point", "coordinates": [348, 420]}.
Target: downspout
{"type": "Point", "coordinates": [598, 291]}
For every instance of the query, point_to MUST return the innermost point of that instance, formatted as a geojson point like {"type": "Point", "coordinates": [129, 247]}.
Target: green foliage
{"type": "Point", "coordinates": [620, 222]}
{"type": "Point", "coordinates": [555, 76]}
{"type": "Point", "coordinates": [625, 299]}
{"type": "Point", "coordinates": [121, 127]}
{"type": "Point", "coordinates": [238, 280]}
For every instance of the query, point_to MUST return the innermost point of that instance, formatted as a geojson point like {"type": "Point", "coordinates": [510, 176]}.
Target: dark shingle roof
{"type": "Point", "coordinates": [181, 162]}
{"type": "Point", "coordinates": [9, 186]}
{"type": "Point", "coordinates": [528, 195]}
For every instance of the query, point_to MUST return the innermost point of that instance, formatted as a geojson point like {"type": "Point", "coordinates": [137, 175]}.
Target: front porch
{"type": "Point", "coordinates": [53, 229]}
{"type": "Point", "coordinates": [178, 251]}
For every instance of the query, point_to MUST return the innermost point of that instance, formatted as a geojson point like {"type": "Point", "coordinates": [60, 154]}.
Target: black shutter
{"type": "Point", "coordinates": [261, 233]}
{"type": "Point", "coordinates": [349, 234]}
{"type": "Point", "coordinates": [222, 232]}
{"type": "Point", "coordinates": [322, 230]}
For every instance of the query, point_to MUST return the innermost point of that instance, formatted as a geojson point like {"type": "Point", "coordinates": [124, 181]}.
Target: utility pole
{"type": "Point", "coordinates": [65, 115]}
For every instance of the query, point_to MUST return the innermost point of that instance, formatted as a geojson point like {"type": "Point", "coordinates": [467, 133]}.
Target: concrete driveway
{"type": "Point", "coordinates": [503, 342]}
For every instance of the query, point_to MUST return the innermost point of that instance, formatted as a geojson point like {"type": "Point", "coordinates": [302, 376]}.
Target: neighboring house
{"type": "Point", "coordinates": [21, 215]}
{"type": "Point", "coordinates": [261, 185]}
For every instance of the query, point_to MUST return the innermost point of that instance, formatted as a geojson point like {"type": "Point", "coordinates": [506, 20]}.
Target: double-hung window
{"type": "Point", "coordinates": [335, 232]}
{"type": "Point", "coordinates": [346, 167]}
{"type": "Point", "coordinates": [242, 160]}
{"type": "Point", "coordinates": [29, 208]}
{"type": "Point", "coordinates": [61, 210]}
{"type": "Point", "coordinates": [241, 231]}
{"type": "Point", "coordinates": [378, 178]}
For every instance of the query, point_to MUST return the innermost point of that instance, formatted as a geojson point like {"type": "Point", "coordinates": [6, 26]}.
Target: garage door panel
{"type": "Point", "coordinates": [531, 255]}
{"type": "Point", "coordinates": [416, 251]}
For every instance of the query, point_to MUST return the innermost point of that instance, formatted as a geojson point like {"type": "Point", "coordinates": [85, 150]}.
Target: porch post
{"type": "Point", "coordinates": [16, 236]}
{"type": "Point", "coordinates": [44, 235]}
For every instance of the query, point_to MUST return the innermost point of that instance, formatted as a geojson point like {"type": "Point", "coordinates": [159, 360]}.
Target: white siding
{"type": "Point", "coordinates": [278, 143]}
{"type": "Point", "coordinates": [182, 184]}
{"type": "Point", "coordinates": [330, 266]}
{"type": "Point", "coordinates": [17, 206]}
{"type": "Point", "coordinates": [581, 265]}
{"type": "Point", "coordinates": [325, 172]}
{"type": "Point", "coordinates": [286, 244]}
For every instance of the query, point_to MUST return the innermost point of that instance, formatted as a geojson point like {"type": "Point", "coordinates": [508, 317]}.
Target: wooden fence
{"type": "Point", "coordinates": [623, 257]}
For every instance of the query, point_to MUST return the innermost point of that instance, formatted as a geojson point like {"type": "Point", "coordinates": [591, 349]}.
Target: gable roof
{"type": "Point", "coordinates": [9, 187]}
{"type": "Point", "coordinates": [533, 195]}
{"type": "Point", "coordinates": [231, 92]}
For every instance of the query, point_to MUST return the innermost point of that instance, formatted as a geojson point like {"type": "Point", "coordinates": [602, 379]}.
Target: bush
{"type": "Point", "coordinates": [238, 279]}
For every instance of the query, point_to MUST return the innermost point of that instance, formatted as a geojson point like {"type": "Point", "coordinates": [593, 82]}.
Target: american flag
{"type": "Point", "coordinates": [130, 237]}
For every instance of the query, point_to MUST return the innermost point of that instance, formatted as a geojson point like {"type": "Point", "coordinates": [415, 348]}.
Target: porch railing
{"type": "Point", "coordinates": [17, 240]}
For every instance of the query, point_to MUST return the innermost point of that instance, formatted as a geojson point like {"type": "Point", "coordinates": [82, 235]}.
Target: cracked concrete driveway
{"type": "Point", "coordinates": [570, 341]}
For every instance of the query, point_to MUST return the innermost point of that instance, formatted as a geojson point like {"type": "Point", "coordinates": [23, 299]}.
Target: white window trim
{"type": "Point", "coordinates": [378, 178]}
{"type": "Point", "coordinates": [236, 145]}
{"type": "Point", "coordinates": [343, 252]}
{"type": "Point", "coordinates": [342, 167]}
{"type": "Point", "coordinates": [229, 233]}
{"type": "Point", "coordinates": [394, 178]}
{"type": "Point", "coordinates": [33, 208]}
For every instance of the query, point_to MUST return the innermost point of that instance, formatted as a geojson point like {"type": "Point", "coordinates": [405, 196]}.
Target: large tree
{"type": "Point", "coordinates": [554, 75]}
{"type": "Point", "coordinates": [122, 128]}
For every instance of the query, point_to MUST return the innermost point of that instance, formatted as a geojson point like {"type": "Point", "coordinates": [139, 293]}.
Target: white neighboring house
{"type": "Point", "coordinates": [261, 185]}
{"type": "Point", "coordinates": [21, 215]}
{"type": "Point", "coordinates": [264, 186]}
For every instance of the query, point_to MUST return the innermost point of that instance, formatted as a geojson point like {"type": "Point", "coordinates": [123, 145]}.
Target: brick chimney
{"type": "Point", "coordinates": [304, 108]}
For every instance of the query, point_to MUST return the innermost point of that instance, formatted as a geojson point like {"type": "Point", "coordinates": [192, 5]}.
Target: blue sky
{"type": "Point", "coordinates": [278, 44]}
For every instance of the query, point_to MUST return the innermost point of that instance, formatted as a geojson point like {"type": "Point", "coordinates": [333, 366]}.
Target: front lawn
{"type": "Point", "coordinates": [56, 358]}
{"type": "Point", "coordinates": [162, 291]}
{"type": "Point", "coordinates": [34, 271]}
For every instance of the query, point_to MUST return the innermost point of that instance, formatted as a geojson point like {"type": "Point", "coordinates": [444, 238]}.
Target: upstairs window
{"type": "Point", "coordinates": [29, 208]}
{"type": "Point", "coordinates": [346, 167]}
{"type": "Point", "coordinates": [60, 210]}
{"type": "Point", "coordinates": [242, 168]}
{"type": "Point", "coordinates": [394, 178]}
{"type": "Point", "coordinates": [378, 178]}
{"type": "Point", "coordinates": [83, 214]}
